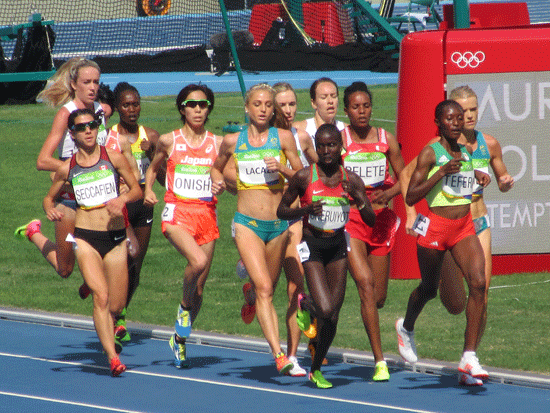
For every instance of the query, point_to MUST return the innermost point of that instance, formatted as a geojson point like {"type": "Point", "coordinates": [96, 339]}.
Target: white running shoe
{"type": "Point", "coordinates": [465, 379]}
{"type": "Point", "coordinates": [405, 341]}
{"type": "Point", "coordinates": [297, 370]}
{"type": "Point", "coordinates": [470, 365]}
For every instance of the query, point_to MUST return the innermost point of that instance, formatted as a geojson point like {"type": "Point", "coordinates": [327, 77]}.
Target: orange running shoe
{"type": "Point", "coordinates": [283, 363]}
{"type": "Point", "coordinates": [117, 368]}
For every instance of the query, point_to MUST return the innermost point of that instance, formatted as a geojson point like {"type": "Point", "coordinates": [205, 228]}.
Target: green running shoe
{"type": "Point", "coordinates": [28, 230]}
{"type": "Point", "coordinates": [120, 327]}
{"type": "Point", "coordinates": [317, 378]}
{"type": "Point", "coordinates": [381, 372]}
{"type": "Point", "coordinates": [180, 353]}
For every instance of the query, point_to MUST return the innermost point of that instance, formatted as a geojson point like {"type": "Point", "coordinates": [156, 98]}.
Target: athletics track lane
{"type": "Point", "coordinates": [50, 368]}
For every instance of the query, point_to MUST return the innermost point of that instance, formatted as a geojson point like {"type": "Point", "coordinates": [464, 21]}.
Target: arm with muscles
{"type": "Point", "coordinates": [115, 206]}
{"type": "Point", "coordinates": [126, 149]}
{"type": "Point", "coordinates": [306, 144]}
{"type": "Point", "coordinates": [45, 160]}
{"type": "Point", "coordinates": [149, 145]}
{"type": "Point", "coordinates": [419, 186]}
{"type": "Point", "coordinates": [504, 181]}
{"type": "Point", "coordinates": [296, 187]}
{"type": "Point", "coordinates": [59, 180]}
{"type": "Point", "coordinates": [227, 148]}
{"type": "Point", "coordinates": [288, 146]}
{"type": "Point", "coordinates": [356, 190]}
{"type": "Point", "coordinates": [482, 178]}
{"type": "Point", "coordinates": [163, 147]}
{"type": "Point", "coordinates": [398, 164]}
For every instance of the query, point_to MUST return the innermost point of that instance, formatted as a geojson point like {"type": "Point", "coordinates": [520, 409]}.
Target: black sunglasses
{"type": "Point", "coordinates": [192, 103]}
{"type": "Point", "coordinates": [81, 127]}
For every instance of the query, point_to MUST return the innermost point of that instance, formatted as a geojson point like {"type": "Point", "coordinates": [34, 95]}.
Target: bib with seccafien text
{"type": "Point", "coordinates": [93, 189]}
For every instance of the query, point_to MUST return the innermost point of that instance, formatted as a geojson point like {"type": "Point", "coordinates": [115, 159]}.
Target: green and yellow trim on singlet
{"type": "Point", "coordinates": [140, 155]}
{"type": "Point", "coordinates": [455, 189]}
{"type": "Point", "coordinates": [252, 172]}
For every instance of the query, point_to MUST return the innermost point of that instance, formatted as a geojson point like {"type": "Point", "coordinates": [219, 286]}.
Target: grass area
{"type": "Point", "coordinates": [516, 335]}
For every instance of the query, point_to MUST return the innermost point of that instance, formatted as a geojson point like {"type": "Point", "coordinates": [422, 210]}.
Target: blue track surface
{"type": "Point", "coordinates": [170, 83]}
{"type": "Point", "coordinates": [49, 368]}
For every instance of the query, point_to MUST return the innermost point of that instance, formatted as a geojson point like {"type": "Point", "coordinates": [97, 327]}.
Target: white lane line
{"type": "Point", "coordinates": [59, 401]}
{"type": "Point", "coordinates": [220, 383]}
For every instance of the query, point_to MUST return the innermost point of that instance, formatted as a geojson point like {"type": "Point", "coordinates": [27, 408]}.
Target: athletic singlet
{"type": "Point", "coordinates": [368, 160]}
{"type": "Point", "coordinates": [67, 147]}
{"type": "Point", "coordinates": [336, 204]}
{"type": "Point", "coordinates": [301, 155]}
{"type": "Point", "coordinates": [252, 172]}
{"type": "Point", "coordinates": [455, 189]}
{"type": "Point", "coordinates": [95, 185]}
{"type": "Point", "coordinates": [480, 159]}
{"type": "Point", "coordinates": [311, 127]}
{"type": "Point", "coordinates": [188, 170]}
{"type": "Point", "coordinates": [140, 155]}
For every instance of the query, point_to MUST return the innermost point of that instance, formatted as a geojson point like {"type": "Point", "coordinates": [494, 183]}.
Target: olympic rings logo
{"type": "Point", "coordinates": [462, 60]}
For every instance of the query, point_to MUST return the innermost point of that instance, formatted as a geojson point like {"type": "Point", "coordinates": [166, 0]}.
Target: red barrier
{"type": "Point", "coordinates": [261, 18]}
{"type": "Point", "coordinates": [492, 14]}
{"type": "Point", "coordinates": [321, 22]}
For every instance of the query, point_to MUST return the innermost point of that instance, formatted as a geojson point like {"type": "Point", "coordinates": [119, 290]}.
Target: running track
{"type": "Point", "coordinates": [52, 363]}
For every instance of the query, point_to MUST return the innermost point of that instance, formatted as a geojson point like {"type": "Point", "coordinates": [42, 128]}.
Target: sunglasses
{"type": "Point", "coordinates": [81, 127]}
{"type": "Point", "coordinates": [192, 103]}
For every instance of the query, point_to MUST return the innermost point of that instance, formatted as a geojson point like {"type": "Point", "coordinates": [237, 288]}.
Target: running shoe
{"type": "Point", "coordinates": [120, 327]}
{"type": "Point", "coordinates": [283, 363]}
{"type": "Point", "coordinates": [470, 365]}
{"type": "Point", "coordinates": [381, 372]}
{"type": "Point", "coordinates": [28, 230]}
{"type": "Point", "coordinates": [303, 319]}
{"type": "Point", "coordinates": [118, 346]}
{"type": "Point", "coordinates": [84, 291]}
{"type": "Point", "coordinates": [241, 270]}
{"type": "Point", "coordinates": [117, 368]}
{"type": "Point", "coordinates": [248, 312]}
{"type": "Point", "coordinates": [180, 353]}
{"type": "Point", "coordinates": [183, 323]}
{"type": "Point", "coordinates": [317, 378]}
{"type": "Point", "coordinates": [405, 342]}
{"type": "Point", "coordinates": [312, 347]}
{"type": "Point", "coordinates": [465, 379]}
{"type": "Point", "coordinates": [311, 332]}
{"type": "Point", "coordinates": [297, 370]}
{"type": "Point", "coordinates": [249, 294]}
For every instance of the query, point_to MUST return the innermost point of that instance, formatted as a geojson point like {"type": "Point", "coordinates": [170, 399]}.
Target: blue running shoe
{"type": "Point", "coordinates": [183, 323]}
{"type": "Point", "coordinates": [180, 353]}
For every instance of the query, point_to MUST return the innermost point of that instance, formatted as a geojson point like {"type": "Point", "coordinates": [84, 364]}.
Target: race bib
{"type": "Point", "coordinates": [421, 224]}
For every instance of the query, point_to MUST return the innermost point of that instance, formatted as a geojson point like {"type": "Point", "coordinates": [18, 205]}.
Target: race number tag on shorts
{"type": "Point", "coordinates": [421, 224]}
{"type": "Point", "coordinates": [303, 251]}
{"type": "Point", "coordinates": [168, 212]}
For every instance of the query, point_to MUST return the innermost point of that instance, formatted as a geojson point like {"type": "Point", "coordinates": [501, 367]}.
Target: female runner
{"type": "Point", "coordinates": [142, 142]}
{"type": "Point", "coordinates": [445, 176]}
{"type": "Point", "coordinates": [189, 217]}
{"type": "Point", "coordinates": [325, 189]}
{"type": "Point", "coordinates": [260, 153]}
{"type": "Point", "coordinates": [369, 152]}
{"type": "Point", "coordinates": [75, 86]}
{"type": "Point", "coordinates": [93, 173]}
